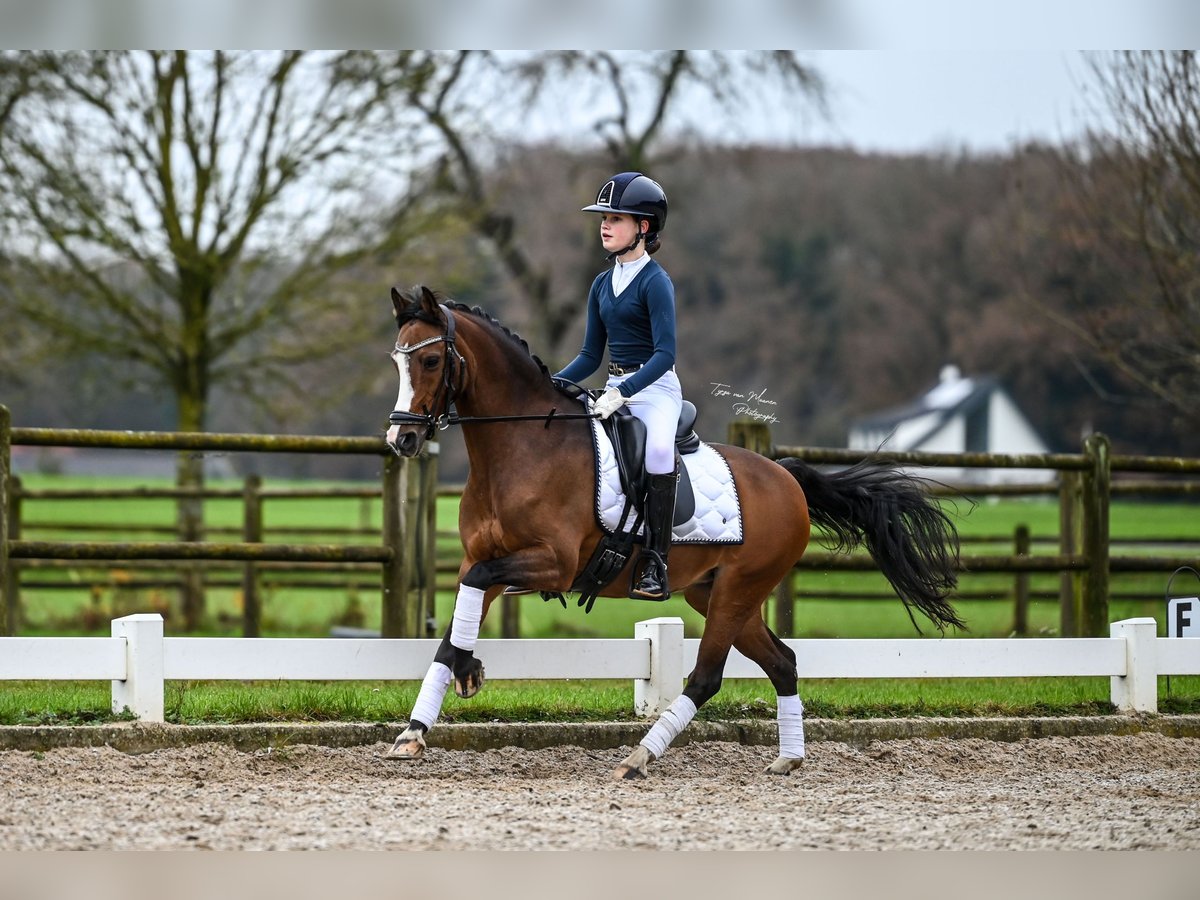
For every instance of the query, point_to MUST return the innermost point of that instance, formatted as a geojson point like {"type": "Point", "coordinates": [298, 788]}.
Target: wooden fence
{"type": "Point", "coordinates": [404, 552]}
{"type": "Point", "coordinates": [1084, 489]}
{"type": "Point", "coordinates": [407, 553]}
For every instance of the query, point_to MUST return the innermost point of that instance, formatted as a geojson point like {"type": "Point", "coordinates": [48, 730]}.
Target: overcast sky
{"type": "Point", "coordinates": [909, 100]}
{"type": "Point", "coordinates": [889, 101]}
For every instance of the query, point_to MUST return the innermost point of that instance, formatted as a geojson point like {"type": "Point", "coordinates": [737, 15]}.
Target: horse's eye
{"type": "Point", "coordinates": [431, 362]}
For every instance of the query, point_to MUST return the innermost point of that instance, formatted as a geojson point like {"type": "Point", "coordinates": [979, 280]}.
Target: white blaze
{"type": "Point", "coordinates": [405, 398]}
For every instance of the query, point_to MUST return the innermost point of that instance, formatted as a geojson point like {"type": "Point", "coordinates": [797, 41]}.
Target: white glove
{"type": "Point", "coordinates": [610, 401]}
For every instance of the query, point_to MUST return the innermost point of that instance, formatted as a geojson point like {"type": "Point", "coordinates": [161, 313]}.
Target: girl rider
{"type": "Point", "coordinates": [632, 310]}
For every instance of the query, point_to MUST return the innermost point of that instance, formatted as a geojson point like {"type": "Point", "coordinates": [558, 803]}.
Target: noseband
{"type": "Point", "coordinates": [454, 363]}
{"type": "Point", "coordinates": [455, 370]}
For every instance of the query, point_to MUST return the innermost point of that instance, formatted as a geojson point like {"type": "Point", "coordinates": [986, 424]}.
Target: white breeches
{"type": "Point", "coordinates": [658, 405]}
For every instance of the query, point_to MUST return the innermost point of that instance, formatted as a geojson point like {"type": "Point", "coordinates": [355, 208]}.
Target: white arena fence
{"type": "Point", "coordinates": [138, 660]}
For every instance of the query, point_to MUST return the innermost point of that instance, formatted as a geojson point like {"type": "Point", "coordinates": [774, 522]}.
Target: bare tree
{"type": "Point", "coordinates": [1137, 189]}
{"type": "Point", "coordinates": [202, 220]}
{"type": "Point", "coordinates": [628, 101]}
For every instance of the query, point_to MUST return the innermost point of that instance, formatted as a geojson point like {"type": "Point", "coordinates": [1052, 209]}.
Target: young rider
{"type": "Point", "coordinates": [632, 309]}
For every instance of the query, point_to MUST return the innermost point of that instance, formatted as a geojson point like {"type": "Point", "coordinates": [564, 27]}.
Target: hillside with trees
{"type": "Point", "coordinates": [831, 282]}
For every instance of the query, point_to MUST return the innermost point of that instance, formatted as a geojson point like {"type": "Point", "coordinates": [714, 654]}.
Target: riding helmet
{"type": "Point", "coordinates": [635, 194]}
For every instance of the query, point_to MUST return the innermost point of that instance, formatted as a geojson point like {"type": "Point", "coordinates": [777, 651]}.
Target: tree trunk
{"type": "Point", "coordinates": [189, 476]}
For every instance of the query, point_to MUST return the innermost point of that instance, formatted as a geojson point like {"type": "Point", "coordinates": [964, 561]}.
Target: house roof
{"type": "Point", "coordinates": [951, 395]}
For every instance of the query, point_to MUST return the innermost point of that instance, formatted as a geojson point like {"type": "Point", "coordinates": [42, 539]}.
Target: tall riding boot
{"type": "Point", "coordinates": [650, 572]}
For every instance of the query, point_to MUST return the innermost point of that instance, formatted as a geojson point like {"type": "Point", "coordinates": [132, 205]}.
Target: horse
{"type": "Point", "coordinates": [527, 519]}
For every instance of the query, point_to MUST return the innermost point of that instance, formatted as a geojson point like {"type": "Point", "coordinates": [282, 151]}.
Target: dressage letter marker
{"type": "Point", "coordinates": [1183, 617]}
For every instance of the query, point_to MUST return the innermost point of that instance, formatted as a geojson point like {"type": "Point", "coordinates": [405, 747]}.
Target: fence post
{"type": "Point", "coordinates": [1021, 545]}
{"type": "Point", "coordinates": [1070, 589]}
{"type": "Point", "coordinates": [7, 602]}
{"type": "Point", "coordinates": [414, 548]}
{"type": "Point", "coordinates": [754, 436]}
{"type": "Point", "coordinates": [1137, 690]}
{"type": "Point", "coordinates": [395, 580]}
{"type": "Point", "coordinates": [1096, 492]}
{"type": "Point", "coordinates": [142, 690]}
{"type": "Point", "coordinates": [252, 533]}
{"type": "Point", "coordinates": [429, 506]}
{"type": "Point", "coordinates": [785, 605]}
{"type": "Point", "coordinates": [653, 695]}
{"type": "Point", "coordinates": [510, 616]}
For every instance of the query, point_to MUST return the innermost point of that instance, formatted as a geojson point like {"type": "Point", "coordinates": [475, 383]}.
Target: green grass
{"type": "Point", "coordinates": [290, 611]}
{"type": "Point", "coordinates": [74, 703]}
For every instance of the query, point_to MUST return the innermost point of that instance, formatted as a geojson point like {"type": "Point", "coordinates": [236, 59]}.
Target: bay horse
{"type": "Point", "coordinates": [527, 519]}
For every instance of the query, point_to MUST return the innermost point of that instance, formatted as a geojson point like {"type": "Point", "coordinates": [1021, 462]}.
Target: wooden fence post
{"type": "Point", "coordinates": [11, 573]}
{"type": "Point", "coordinates": [395, 580]}
{"type": "Point", "coordinates": [1097, 483]}
{"type": "Point", "coordinates": [1070, 589]}
{"type": "Point", "coordinates": [252, 533]}
{"type": "Point", "coordinates": [429, 501]}
{"type": "Point", "coordinates": [754, 436]}
{"type": "Point", "coordinates": [785, 605]}
{"type": "Point", "coordinates": [7, 612]}
{"type": "Point", "coordinates": [1021, 543]}
{"type": "Point", "coordinates": [510, 616]}
{"type": "Point", "coordinates": [414, 553]}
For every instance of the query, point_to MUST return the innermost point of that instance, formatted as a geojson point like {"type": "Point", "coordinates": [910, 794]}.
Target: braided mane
{"type": "Point", "coordinates": [414, 312]}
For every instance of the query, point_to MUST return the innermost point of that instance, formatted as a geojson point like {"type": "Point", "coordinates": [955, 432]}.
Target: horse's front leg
{"type": "Point", "coordinates": [455, 659]}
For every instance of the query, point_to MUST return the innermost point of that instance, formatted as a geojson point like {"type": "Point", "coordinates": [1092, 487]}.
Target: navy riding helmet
{"type": "Point", "coordinates": [635, 194]}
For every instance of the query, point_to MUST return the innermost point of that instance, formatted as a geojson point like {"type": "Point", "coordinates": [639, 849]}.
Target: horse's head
{"type": "Point", "coordinates": [430, 367]}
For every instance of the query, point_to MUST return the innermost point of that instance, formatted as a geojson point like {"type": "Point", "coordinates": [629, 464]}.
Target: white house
{"type": "Point", "coordinates": [957, 415]}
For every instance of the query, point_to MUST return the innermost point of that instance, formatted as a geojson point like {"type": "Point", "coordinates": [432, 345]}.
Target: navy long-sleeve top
{"type": "Point", "coordinates": [638, 326]}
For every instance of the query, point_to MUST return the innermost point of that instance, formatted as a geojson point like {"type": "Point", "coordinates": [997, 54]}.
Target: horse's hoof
{"type": "Point", "coordinates": [634, 765]}
{"type": "Point", "coordinates": [410, 745]}
{"type": "Point", "coordinates": [628, 773]}
{"type": "Point", "coordinates": [784, 765]}
{"type": "Point", "coordinates": [469, 687]}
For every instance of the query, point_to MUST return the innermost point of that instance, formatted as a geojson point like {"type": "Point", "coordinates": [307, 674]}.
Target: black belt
{"type": "Point", "coordinates": [614, 369]}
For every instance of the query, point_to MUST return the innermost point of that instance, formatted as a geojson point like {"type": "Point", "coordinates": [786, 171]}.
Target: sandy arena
{"type": "Point", "coordinates": [1129, 792]}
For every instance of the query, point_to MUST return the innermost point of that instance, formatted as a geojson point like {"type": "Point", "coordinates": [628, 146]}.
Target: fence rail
{"type": "Point", "coordinates": [1084, 491]}
{"type": "Point", "coordinates": [407, 554]}
{"type": "Point", "coordinates": [138, 660]}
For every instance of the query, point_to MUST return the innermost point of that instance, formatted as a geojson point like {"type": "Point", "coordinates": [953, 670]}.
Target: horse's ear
{"type": "Point", "coordinates": [398, 302]}
{"type": "Point", "coordinates": [429, 304]}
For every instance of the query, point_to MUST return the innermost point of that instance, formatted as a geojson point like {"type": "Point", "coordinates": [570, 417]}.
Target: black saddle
{"type": "Point", "coordinates": [628, 435]}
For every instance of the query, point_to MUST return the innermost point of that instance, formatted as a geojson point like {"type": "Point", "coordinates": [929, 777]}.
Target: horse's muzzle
{"type": "Point", "coordinates": [406, 444]}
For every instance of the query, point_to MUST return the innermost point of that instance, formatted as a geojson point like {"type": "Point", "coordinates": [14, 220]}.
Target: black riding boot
{"type": "Point", "coordinates": [650, 572]}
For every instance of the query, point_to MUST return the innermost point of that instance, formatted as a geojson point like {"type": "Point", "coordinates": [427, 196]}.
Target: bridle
{"type": "Point", "coordinates": [454, 372]}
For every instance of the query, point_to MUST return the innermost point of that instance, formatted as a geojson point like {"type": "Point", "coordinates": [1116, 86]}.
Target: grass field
{"type": "Point", "coordinates": [354, 600]}
{"type": "Point", "coordinates": [290, 611]}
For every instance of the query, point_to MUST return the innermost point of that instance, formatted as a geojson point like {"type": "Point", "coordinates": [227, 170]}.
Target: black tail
{"type": "Point", "coordinates": [912, 540]}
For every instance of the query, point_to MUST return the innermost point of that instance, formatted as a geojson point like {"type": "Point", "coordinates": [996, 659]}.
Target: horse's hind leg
{"type": "Point", "coordinates": [727, 610]}
{"type": "Point", "coordinates": [777, 660]}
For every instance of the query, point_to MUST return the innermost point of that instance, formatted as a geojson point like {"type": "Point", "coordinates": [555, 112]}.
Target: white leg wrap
{"type": "Point", "coordinates": [790, 713]}
{"type": "Point", "coordinates": [673, 720]}
{"type": "Point", "coordinates": [468, 613]}
{"type": "Point", "coordinates": [433, 690]}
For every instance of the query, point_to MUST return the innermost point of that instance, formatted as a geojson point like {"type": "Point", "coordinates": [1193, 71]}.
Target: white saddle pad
{"type": "Point", "coordinates": [718, 516]}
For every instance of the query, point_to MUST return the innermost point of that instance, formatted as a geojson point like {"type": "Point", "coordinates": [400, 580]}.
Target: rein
{"type": "Point", "coordinates": [454, 359]}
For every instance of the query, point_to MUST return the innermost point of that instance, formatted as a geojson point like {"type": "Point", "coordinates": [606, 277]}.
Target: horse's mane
{"type": "Point", "coordinates": [414, 312]}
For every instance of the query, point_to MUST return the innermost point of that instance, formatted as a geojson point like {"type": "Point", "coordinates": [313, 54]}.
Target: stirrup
{"type": "Point", "coordinates": [514, 590]}
{"type": "Point", "coordinates": [647, 559]}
